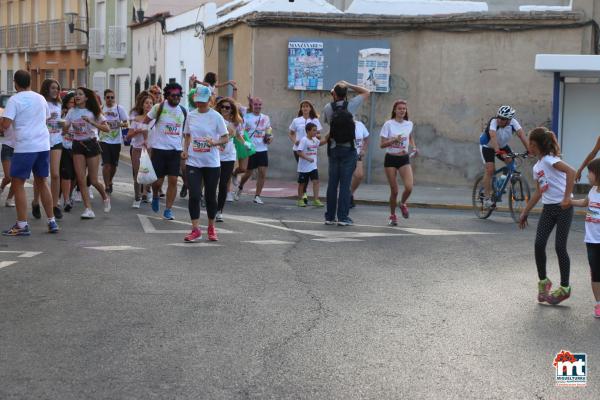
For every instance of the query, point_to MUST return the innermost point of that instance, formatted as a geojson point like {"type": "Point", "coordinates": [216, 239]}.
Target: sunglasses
{"type": "Point", "coordinates": [110, 97]}
{"type": "Point", "coordinates": [154, 92]}
{"type": "Point", "coordinates": [503, 119]}
{"type": "Point", "coordinates": [225, 107]}
{"type": "Point", "coordinates": [175, 95]}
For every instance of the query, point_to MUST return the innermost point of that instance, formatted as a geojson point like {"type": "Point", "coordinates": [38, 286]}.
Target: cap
{"type": "Point", "coordinates": [202, 94]}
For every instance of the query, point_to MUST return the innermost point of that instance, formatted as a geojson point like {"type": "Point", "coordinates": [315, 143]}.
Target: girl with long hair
{"type": "Point", "coordinates": [138, 134]}
{"type": "Point", "coordinates": [67, 169]}
{"type": "Point", "coordinates": [554, 182]}
{"type": "Point", "coordinates": [85, 120]}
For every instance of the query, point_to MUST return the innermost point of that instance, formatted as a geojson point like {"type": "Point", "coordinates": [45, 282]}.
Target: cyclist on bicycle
{"type": "Point", "coordinates": [494, 143]}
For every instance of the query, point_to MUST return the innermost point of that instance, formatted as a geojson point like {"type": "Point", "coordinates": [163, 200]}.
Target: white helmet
{"type": "Point", "coordinates": [506, 112]}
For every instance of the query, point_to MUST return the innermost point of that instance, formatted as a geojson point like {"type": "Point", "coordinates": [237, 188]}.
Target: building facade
{"type": "Point", "coordinates": [148, 67]}
{"type": "Point", "coordinates": [34, 35]}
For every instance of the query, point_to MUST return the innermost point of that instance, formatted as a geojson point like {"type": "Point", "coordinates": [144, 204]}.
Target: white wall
{"type": "Point", "coordinates": [148, 50]}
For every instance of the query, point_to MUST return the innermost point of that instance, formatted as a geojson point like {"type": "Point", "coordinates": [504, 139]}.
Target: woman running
{"type": "Point", "coordinates": [554, 180]}
{"type": "Point", "coordinates": [306, 114]}
{"type": "Point", "coordinates": [228, 109]}
{"type": "Point", "coordinates": [138, 134]}
{"type": "Point", "coordinates": [362, 146]}
{"type": "Point", "coordinates": [67, 169]}
{"type": "Point", "coordinates": [396, 136]}
{"type": "Point", "coordinates": [204, 131]}
{"type": "Point", "coordinates": [86, 119]}
{"type": "Point", "coordinates": [8, 149]}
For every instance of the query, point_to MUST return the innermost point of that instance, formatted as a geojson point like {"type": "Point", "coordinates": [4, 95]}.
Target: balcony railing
{"type": "Point", "coordinates": [117, 41]}
{"type": "Point", "coordinates": [97, 43]}
{"type": "Point", "coordinates": [46, 35]}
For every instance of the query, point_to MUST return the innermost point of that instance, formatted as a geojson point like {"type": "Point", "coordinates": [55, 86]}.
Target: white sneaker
{"type": "Point", "coordinates": [237, 194]}
{"type": "Point", "coordinates": [258, 200]}
{"type": "Point", "coordinates": [107, 205]}
{"type": "Point", "coordinates": [219, 217]}
{"type": "Point", "coordinates": [229, 198]}
{"type": "Point", "coordinates": [91, 192]}
{"type": "Point", "coordinates": [235, 181]}
{"type": "Point", "coordinates": [77, 197]}
{"type": "Point", "coordinates": [88, 214]}
{"type": "Point", "coordinates": [487, 203]}
{"type": "Point", "coordinates": [10, 203]}
{"type": "Point", "coordinates": [136, 204]}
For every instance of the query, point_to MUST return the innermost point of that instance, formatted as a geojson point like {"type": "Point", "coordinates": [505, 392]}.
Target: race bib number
{"type": "Point", "coordinates": [543, 182]}
{"type": "Point", "coordinates": [401, 146]}
{"type": "Point", "coordinates": [171, 128]}
{"type": "Point", "coordinates": [68, 137]}
{"type": "Point", "coordinates": [200, 145]}
{"type": "Point", "coordinates": [54, 127]}
{"type": "Point", "coordinates": [593, 213]}
{"type": "Point", "coordinates": [79, 128]}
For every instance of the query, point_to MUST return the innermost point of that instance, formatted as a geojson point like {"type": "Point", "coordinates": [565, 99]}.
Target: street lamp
{"type": "Point", "coordinates": [142, 7]}
{"type": "Point", "coordinates": [72, 28]}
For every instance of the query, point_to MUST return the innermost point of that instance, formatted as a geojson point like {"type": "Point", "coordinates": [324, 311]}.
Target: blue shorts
{"type": "Point", "coordinates": [22, 164]}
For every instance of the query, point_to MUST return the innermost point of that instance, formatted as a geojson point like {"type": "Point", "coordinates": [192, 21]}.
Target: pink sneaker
{"type": "Point", "coordinates": [597, 311]}
{"type": "Point", "coordinates": [393, 221]}
{"type": "Point", "coordinates": [212, 233]}
{"type": "Point", "coordinates": [404, 210]}
{"type": "Point", "coordinates": [193, 236]}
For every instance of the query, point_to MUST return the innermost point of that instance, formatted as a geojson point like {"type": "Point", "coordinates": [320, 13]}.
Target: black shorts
{"type": "Point", "coordinates": [396, 161]}
{"type": "Point", "coordinates": [166, 162]}
{"type": "Point", "coordinates": [67, 169]}
{"type": "Point", "coordinates": [304, 177]}
{"type": "Point", "coordinates": [110, 153]}
{"type": "Point", "coordinates": [258, 159]}
{"type": "Point", "coordinates": [56, 147]}
{"type": "Point", "coordinates": [489, 155]}
{"type": "Point", "coordinates": [7, 153]}
{"type": "Point", "coordinates": [88, 148]}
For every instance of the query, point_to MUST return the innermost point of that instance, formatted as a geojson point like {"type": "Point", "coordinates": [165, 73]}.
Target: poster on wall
{"type": "Point", "coordinates": [305, 65]}
{"type": "Point", "coordinates": [374, 69]}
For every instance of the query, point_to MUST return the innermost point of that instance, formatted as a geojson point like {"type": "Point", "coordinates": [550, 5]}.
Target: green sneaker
{"type": "Point", "coordinates": [317, 203]}
{"type": "Point", "coordinates": [559, 295]}
{"type": "Point", "coordinates": [305, 198]}
{"type": "Point", "coordinates": [301, 203]}
{"type": "Point", "coordinates": [544, 287]}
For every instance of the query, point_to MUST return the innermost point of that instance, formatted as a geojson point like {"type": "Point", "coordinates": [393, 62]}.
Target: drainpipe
{"type": "Point", "coordinates": [556, 103]}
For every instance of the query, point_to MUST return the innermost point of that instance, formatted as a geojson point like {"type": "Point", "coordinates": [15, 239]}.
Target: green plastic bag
{"type": "Point", "coordinates": [241, 149]}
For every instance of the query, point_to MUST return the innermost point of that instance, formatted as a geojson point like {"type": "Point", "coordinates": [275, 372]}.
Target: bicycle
{"type": "Point", "coordinates": [507, 176]}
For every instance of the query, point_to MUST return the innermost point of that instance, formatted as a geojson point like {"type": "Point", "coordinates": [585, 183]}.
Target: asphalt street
{"type": "Point", "coordinates": [283, 307]}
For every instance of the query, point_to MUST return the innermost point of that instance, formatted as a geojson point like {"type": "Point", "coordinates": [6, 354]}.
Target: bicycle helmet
{"type": "Point", "coordinates": [506, 112]}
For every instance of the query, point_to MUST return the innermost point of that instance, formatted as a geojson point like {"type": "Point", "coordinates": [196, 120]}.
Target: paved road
{"type": "Point", "coordinates": [283, 307]}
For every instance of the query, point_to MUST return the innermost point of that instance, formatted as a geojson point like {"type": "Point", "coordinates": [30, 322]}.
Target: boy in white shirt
{"type": "Point", "coordinates": [308, 149]}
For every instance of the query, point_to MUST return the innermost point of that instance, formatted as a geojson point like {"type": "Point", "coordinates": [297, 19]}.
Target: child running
{"type": "Point", "coordinates": [307, 150]}
{"type": "Point", "coordinates": [555, 180]}
{"type": "Point", "coordinates": [592, 228]}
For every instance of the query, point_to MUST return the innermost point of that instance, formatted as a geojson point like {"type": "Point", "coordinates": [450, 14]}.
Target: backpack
{"type": "Point", "coordinates": [160, 110]}
{"type": "Point", "coordinates": [342, 127]}
{"type": "Point", "coordinates": [484, 138]}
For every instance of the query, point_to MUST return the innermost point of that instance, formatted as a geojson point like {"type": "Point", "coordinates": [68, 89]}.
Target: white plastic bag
{"type": "Point", "coordinates": [146, 174]}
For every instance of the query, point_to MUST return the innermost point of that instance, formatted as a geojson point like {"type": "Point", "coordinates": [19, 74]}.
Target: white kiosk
{"type": "Point", "coordinates": [575, 104]}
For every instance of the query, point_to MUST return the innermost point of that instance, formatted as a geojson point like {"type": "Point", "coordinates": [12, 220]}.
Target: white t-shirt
{"type": "Point", "coordinates": [552, 182]}
{"type": "Point", "coordinates": [228, 152]}
{"type": "Point", "coordinates": [81, 129]}
{"type": "Point", "coordinates": [592, 217]}
{"type": "Point", "coordinates": [298, 126]}
{"type": "Point", "coordinates": [309, 148]}
{"type": "Point", "coordinates": [201, 127]}
{"type": "Point", "coordinates": [138, 140]}
{"type": "Point", "coordinates": [114, 116]}
{"type": "Point", "coordinates": [9, 137]}
{"type": "Point", "coordinates": [257, 126]}
{"type": "Point", "coordinates": [168, 132]}
{"type": "Point", "coordinates": [361, 134]}
{"type": "Point", "coordinates": [392, 129]}
{"type": "Point", "coordinates": [53, 124]}
{"type": "Point", "coordinates": [29, 111]}
{"type": "Point", "coordinates": [503, 135]}
{"type": "Point", "coordinates": [67, 139]}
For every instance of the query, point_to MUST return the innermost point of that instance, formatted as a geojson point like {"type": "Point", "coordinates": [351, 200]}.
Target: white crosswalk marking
{"type": "Point", "coordinates": [114, 248]}
{"type": "Point", "coordinates": [337, 240]}
{"type": "Point", "coordinates": [23, 254]}
{"type": "Point", "coordinates": [6, 263]}
{"type": "Point", "coordinates": [148, 226]}
{"type": "Point", "coordinates": [195, 245]}
{"type": "Point", "coordinates": [267, 242]}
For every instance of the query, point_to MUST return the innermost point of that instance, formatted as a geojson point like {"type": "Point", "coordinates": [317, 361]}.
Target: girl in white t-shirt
{"type": "Point", "coordinates": [138, 134]}
{"type": "Point", "coordinates": [398, 140]}
{"type": "Point", "coordinates": [592, 228]}
{"type": "Point", "coordinates": [85, 120]}
{"type": "Point", "coordinates": [306, 114]}
{"type": "Point", "coordinates": [67, 169]}
{"type": "Point", "coordinates": [554, 181]}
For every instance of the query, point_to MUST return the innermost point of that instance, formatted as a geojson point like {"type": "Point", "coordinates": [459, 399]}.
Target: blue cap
{"type": "Point", "coordinates": [202, 94]}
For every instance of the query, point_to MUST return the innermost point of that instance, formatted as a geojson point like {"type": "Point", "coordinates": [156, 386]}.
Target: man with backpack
{"type": "Point", "coordinates": [169, 118]}
{"type": "Point", "coordinates": [494, 143]}
{"type": "Point", "coordinates": [341, 150]}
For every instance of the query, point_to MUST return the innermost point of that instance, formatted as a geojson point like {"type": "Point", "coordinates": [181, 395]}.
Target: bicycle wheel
{"type": "Point", "coordinates": [518, 197]}
{"type": "Point", "coordinates": [478, 197]}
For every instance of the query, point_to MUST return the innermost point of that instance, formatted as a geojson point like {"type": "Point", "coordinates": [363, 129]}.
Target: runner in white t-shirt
{"type": "Point", "coordinates": [8, 149]}
{"type": "Point", "coordinates": [362, 145]}
{"type": "Point", "coordinates": [554, 181]}
{"type": "Point", "coordinates": [307, 113]}
{"type": "Point", "coordinates": [307, 150]}
{"type": "Point", "coordinates": [110, 142]}
{"type": "Point", "coordinates": [27, 112]}
{"type": "Point", "coordinates": [86, 120]}
{"type": "Point", "coordinates": [67, 168]}
{"type": "Point", "coordinates": [138, 134]}
{"type": "Point", "coordinates": [398, 140]}
{"type": "Point", "coordinates": [205, 131]}
{"type": "Point", "coordinates": [258, 128]}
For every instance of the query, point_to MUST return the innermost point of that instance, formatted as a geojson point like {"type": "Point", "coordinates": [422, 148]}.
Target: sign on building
{"type": "Point", "coordinates": [374, 69]}
{"type": "Point", "coordinates": [305, 65]}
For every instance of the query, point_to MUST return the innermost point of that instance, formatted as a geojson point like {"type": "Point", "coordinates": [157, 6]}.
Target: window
{"type": "Point", "coordinates": [62, 78]}
{"type": "Point", "coordinates": [10, 13]}
{"type": "Point", "coordinates": [71, 78]}
{"type": "Point", "coordinates": [48, 74]}
{"type": "Point", "coordinates": [138, 87]}
{"type": "Point", "coordinates": [100, 14]}
{"type": "Point", "coordinates": [22, 17]}
{"type": "Point", "coordinates": [9, 80]}
{"type": "Point", "coordinates": [50, 9]}
{"type": "Point", "coordinates": [81, 78]}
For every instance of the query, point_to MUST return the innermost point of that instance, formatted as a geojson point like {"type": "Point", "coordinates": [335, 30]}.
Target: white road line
{"type": "Point", "coordinates": [337, 240]}
{"type": "Point", "coordinates": [442, 232]}
{"type": "Point", "coordinates": [6, 263]}
{"type": "Point", "coordinates": [195, 245]}
{"type": "Point", "coordinates": [267, 242]}
{"type": "Point", "coordinates": [148, 227]}
{"type": "Point", "coordinates": [23, 254]}
{"type": "Point", "coordinates": [115, 248]}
